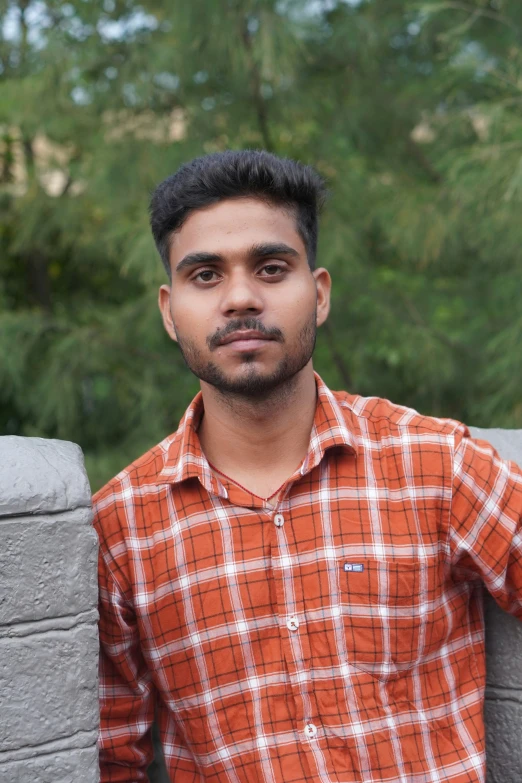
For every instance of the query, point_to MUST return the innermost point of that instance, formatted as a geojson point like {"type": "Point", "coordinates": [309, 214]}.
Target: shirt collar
{"type": "Point", "coordinates": [329, 428]}
{"type": "Point", "coordinates": [184, 458]}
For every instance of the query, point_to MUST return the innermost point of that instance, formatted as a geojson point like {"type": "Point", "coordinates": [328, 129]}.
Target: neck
{"type": "Point", "coordinates": [243, 436]}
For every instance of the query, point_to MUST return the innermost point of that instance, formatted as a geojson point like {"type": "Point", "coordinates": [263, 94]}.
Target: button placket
{"type": "Point", "coordinates": [295, 644]}
{"type": "Point", "coordinates": [310, 730]}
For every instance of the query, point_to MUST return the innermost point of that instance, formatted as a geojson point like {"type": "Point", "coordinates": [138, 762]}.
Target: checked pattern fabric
{"type": "Point", "coordinates": [337, 636]}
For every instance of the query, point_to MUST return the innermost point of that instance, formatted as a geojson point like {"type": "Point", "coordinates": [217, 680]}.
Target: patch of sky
{"type": "Point", "coordinates": [474, 55]}
{"type": "Point", "coordinates": [37, 16]}
{"type": "Point", "coordinates": [208, 103]}
{"type": "Point", "coordinates": [130, 95]}
{"type": "Point", "coordinates": [266, 90]}
{"type": "Point", "coordinates": [111, 72]}
{"type": "Point", "coordinates": [80, 96]}
{"type": "Point", "coordinates": [303, 11]}
{"type": "Point", "coordinates": [167, 81]}
{"type": "Point", "coordinates": [253, 25]}
{"type": "Point", "coordinates": [37, 19]}
{"type": "Point", "coordinates": [78, 30]}
{"type": "Point", "coordinates": [119, 29]}
{"type": "Point", "coordinates": [11, 24]}
{"type": "Point", "coordinates": [200, 77]}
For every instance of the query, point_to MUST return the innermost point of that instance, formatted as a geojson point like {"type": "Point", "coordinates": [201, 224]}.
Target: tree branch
{"type": "Point", "coordinates": [472, 10]}
{"type": "Point", "coordinates": [256, 82]}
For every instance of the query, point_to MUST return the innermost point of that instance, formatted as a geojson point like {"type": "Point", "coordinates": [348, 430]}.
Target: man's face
{"type": "Point", "coordinates": [244, 305]}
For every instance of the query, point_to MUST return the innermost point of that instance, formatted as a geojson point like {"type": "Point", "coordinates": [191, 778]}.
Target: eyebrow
{"type": "Point", "coordinates": [265, 249]}
{"type": "Point", "coordinates": [193, 259]}
{"type": "Point", "coordinates": [257, 251]}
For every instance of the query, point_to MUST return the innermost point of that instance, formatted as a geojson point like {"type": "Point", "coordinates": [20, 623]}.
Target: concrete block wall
{"type": "Point", "coordinates": [503, 708]}
{"type": "Point", "coordinates": [48, 615]}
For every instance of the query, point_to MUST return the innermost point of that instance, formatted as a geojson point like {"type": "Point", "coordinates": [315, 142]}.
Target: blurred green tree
{"type": "Point", "coordinates": [412, 110]}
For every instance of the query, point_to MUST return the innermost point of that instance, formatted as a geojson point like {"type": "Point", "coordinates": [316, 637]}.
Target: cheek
{"type": "Point", "coordinates": [297, 307]}
{"type": "Point", "coordinates": [190, 319]}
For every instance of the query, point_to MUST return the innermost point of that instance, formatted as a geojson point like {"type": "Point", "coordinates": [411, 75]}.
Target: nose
{"type": "Point", "coordinates": [241, 295]}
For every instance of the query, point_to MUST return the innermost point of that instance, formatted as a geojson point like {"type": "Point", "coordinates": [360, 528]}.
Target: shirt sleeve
{"type": "Point", "coordinates": [125, 688]}
{"type": "Point", "coordinates": [485, 534]}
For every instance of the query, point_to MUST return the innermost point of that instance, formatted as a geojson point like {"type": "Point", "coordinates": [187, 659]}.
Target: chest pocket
{"type": "Point", "coordinates": [382, 609]}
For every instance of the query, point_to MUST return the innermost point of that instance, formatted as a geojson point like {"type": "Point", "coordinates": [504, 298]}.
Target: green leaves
{"type": "Point", "coordinates": [411, 110]}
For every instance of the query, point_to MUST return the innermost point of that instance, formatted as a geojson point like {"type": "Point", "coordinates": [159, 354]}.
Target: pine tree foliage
{"type": "Point", "coordinates": [412, 111]}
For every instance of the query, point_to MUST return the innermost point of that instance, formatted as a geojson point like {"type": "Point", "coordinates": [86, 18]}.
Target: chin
{"type": "Point", "coordinates": [252, 380]}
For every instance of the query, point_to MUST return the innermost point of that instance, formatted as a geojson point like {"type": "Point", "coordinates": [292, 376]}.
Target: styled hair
{"type": "Point", "coordinates": [234, 174]}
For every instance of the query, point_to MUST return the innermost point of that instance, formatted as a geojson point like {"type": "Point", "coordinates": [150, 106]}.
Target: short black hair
{"type": "Point", "coordinates": [234, 174]}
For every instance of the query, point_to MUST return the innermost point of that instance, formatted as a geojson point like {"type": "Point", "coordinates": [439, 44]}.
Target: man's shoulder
{"type": "Point", "coordinates": [143, 472]}
{"type": "Point", "coordinates": [381, 416]}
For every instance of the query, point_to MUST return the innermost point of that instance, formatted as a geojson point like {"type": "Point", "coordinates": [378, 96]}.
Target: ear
{"type": "Point", "coordinates": [166, 312]}
{"type": "Point", "coordinates": [323, 283]}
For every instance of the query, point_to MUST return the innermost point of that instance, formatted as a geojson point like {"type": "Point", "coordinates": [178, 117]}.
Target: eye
{"type": "Point", "coordinates": [205, 276]}
{"type": "Point", "coordinates": [272, 270]}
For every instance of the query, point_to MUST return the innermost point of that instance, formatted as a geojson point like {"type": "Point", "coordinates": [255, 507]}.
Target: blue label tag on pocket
{"type": "Point", "coordinates": [354, 567]}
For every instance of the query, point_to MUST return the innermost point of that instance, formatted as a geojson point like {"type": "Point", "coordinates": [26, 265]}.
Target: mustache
{"type": "Point", "coordinates": [239, 324]}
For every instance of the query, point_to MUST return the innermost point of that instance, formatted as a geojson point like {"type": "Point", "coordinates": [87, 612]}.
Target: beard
{"type": "Point", "coordinates": [252, 383]}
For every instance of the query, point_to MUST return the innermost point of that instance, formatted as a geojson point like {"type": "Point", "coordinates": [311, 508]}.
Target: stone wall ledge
{"type": "Point", "coordinates": [40, 475]}
{"type": "Point", "coordinates": [48, 686]}
{"type": "Point", "coordinates": [504, 694]}
{"type": "Point", "coordinates": [78, 765]}
{"type": "Point", "coordinates": [47, 566]}
{"type": "Point", "coordinates": [79, 516]}
{"type": "Point", "coordinates": [49, 625]}
{"type": "Point", "coordinates": [76, 741]}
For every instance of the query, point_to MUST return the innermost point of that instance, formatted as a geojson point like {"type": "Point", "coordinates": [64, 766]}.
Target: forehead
{"type": "Point", "coordinates": [234, 225]}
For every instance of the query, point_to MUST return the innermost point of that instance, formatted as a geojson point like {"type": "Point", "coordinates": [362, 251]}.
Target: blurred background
{"type": "Point", "coordinates": [411, 110]}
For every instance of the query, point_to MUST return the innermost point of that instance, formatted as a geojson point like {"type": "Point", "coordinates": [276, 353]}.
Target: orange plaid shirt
{"type": "Point", "coordinates": [337, 636]}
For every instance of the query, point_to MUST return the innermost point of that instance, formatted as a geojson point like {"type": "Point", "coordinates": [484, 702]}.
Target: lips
{"type": "Point", "coordinates": [245, 336]}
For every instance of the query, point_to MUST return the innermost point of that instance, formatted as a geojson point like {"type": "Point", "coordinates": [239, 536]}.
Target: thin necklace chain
{"type": "Point", "coordinates": [265, 500]}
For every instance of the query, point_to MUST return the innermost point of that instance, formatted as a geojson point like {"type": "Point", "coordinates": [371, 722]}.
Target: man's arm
{"type": "Point", "coordinates": [486, 520]}
{"type": "Point", "coordinates": [126, 691]}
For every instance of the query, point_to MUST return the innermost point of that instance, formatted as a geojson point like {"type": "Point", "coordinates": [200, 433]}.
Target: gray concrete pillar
{"type": "Point", "coordinates": [48, 615]}
{"type": "Point", "coordinates": [503, 708]}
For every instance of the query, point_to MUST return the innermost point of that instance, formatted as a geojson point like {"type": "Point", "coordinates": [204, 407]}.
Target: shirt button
{"type": "Point", "coordinates": [310, 730]}
{"type": "Point", "coordinates": [292, 623]}
{"type": "Point", "coordinates": [279, 520]}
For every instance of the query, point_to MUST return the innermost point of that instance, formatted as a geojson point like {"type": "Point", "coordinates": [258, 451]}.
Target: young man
{"type": "Point", "coordinates": [293, 579]}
